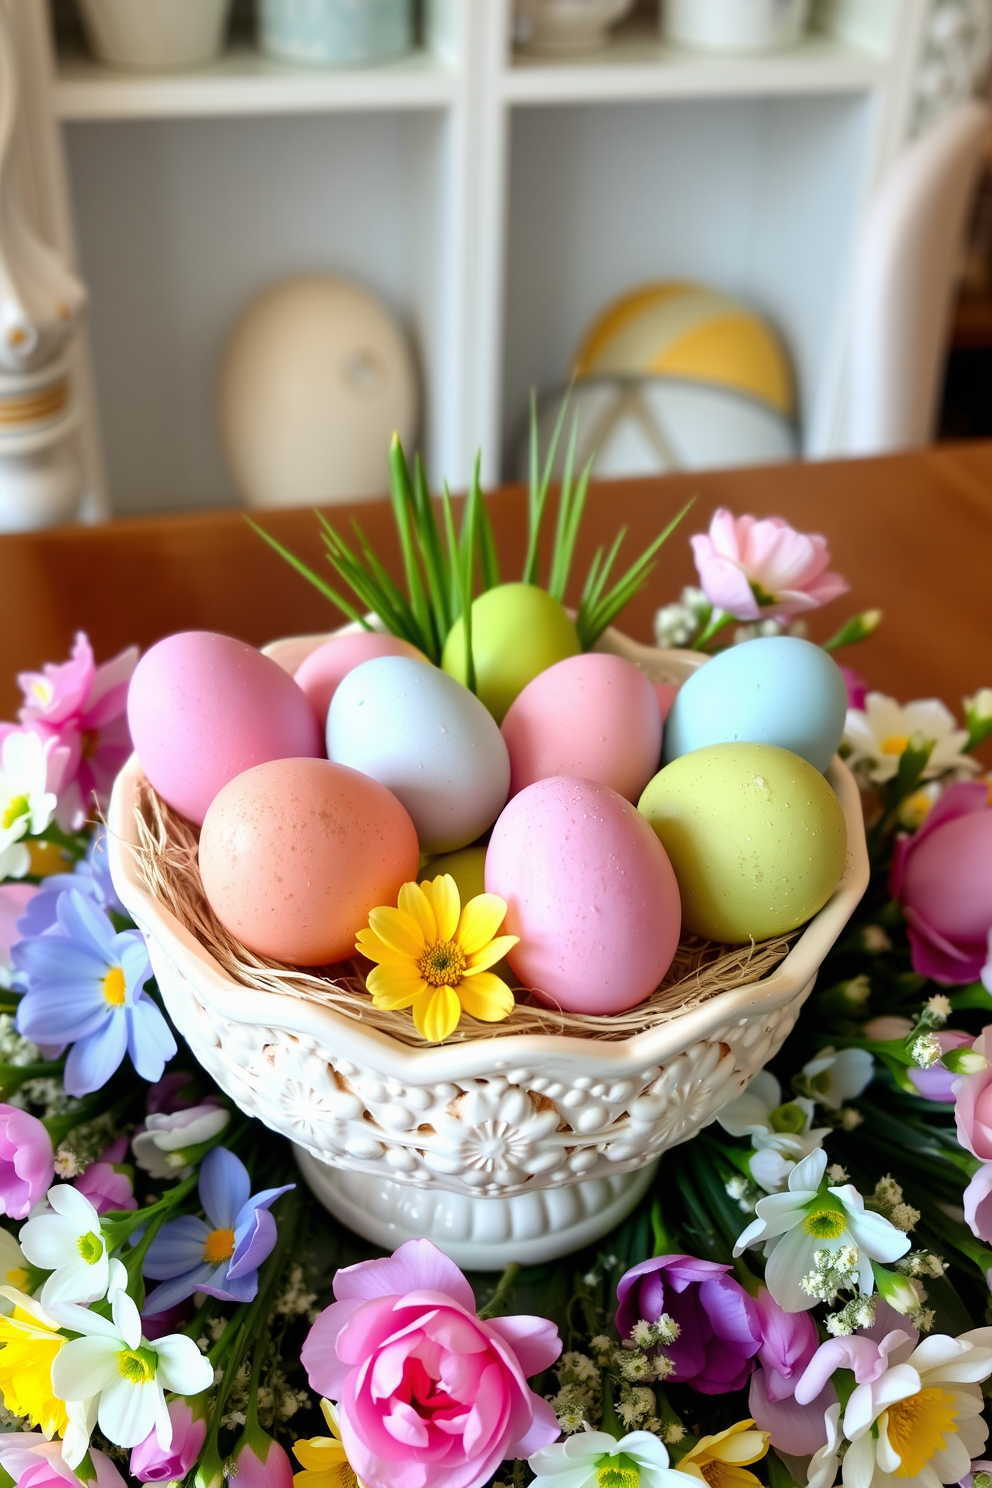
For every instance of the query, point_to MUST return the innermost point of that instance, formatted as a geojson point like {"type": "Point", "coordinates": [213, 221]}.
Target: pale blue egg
{"type": "Point", "coordinates": [773, 690]}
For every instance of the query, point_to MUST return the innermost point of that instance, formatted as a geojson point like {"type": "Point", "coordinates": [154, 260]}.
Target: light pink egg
{"type": "Point", "coordinates": [665, 693]}
{"type": "Point", "coordinates": [589, 891]}
{"type": "Point", "coordinates": [592, 716]}
{"type": "Point", "coordinates": [324, 668]}
{"type": "Point", "coordinates": [202, 708]}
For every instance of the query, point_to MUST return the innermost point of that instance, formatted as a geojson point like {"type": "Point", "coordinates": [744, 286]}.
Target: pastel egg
{"type": "Point", "coordinates": [324, 668]}
{"type": "Point", "coordinates": [202, 708]}
{"type": "Point", "coordinates": [773, 690]}
{"type": "Point", "coordinates": [755, 834]}
{"type": "Point", "coordinates": [429, 740]}
{"type": "Point", "coordinates": [518, 630]}
{"type": "Point", "coordinates": [295, 853]}
{"type": "Point", "coordinates": [590, 893]}
{"type": "Point", "coordinates": [593, 716]}
{"type": "Point", "coordinates": [467, 867]}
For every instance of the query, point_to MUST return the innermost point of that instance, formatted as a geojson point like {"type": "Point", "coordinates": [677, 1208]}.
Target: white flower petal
{"type": "Point", "coordinates": [85, 1367]}
{"type": "Point", "coordinates": [75, 1207]}
{"type": "Point", "coordinates": [181, 1366]}
{"type": "Point", "coordinates": [127, 1412]}
{"type": "Point", "coordinates": [788, 1263]}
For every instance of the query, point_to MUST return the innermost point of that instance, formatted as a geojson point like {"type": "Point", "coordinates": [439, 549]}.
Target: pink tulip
{"type": "Point", "coordinates": [262, 1463]}
{"type": "Point", "coordinates": [942, 879]}
{"type": "Point", "coordinates": [788, 1342]}
{"type": "Point", "coordinates": [149, 1464]}
{"type": "Point", "coordinates": [973, 1118]}
{"type": "Point", "coordinates": [26, 1166]}
{"type": "Point", "coordinates": [83, 707]}
{"type": "Point", "coordinates": [763, 570]}
{"type": "Point", "coordinates": [32, 1462]}
{"type": "Point", "coordinates": [106, 1188]}
{"type": "Point", "coordinates": [793, 1428]}
{"type": "Point", "coordinates": [427, 1392]}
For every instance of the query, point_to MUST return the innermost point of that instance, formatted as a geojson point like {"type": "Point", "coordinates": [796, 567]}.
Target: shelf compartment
{"type": "Point", "coordinates": [244, 83]}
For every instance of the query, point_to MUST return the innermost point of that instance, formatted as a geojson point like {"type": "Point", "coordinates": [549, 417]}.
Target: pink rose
{"type": "Point", "coordinates": [427, 1392]}
{"type": "Point", "coordinates": [942, 879]}
{"type": "Point", "coordinates": [763, 570]}
{"type": "Point", "coordinates": [262, 1463]}
{"type": "Point", "coordinates": [150, 1464]}
{"type": "Point", "coordinates": [973, 1118]}
{"type": "Point", "coordinates": [26, 1167]}
{"type": "Point", "coordinates": [32, 1462]}
{"type": "Point", "coordinates": [82, 707]}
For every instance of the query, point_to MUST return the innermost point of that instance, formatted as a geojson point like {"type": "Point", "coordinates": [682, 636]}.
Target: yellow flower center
{"type": "Point", "coordinates": [895, 744]}
{"type": "Point", "coordinates": [618, 1472]}
{"type": "Point", "coordinates": [90, 1247]}
{"type": "Point", "coordinates": [219, 1247]}
{"type": "Point", "coordinates": [17, 807]}
{"type": "Point", "coordinates": [443, 964]}
{"type": "Point", "coordinates": [825, 1224]}
{"type": "Point", "coordinates": [137, 1366]}
{"type": "Point", "coordinates": [917, 1428]}
{"type": "Point", "coordinates": [788, 1118]}
{"type": "Point", "coordinates": [115, 987]}
{"type": "Point", "coordinates": [18, 1278]}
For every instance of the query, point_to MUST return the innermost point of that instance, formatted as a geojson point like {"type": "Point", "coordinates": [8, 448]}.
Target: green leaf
{"type": "Point", "coordinates": [451, 539]}
{"type": "Point", "coordinates": [540, 484]}
{"type": "Point", "coordinates": [401, 493]}
{"type": "Point", "coordinates": [308, 573]}
{"type": "Point", "coordinates": [593, 619]}
{"type": "Point", "coordinates": [975, 996]}
{"type": "Point", "coordinates": [488, 559]}
{"type": "Point", "coordinates": [466, 567]}
{"type": "Point", "coordinates": [857, 629]}
{"type": "Point", "coordinates": [433, 553]}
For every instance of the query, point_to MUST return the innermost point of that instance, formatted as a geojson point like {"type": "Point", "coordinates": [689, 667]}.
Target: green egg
{"type": "Point", "coordinates": [518, 630]}
{"type": "Point", "coordinates": [467, 867]}
{"type": "Point", "coordinates": [755, 834]}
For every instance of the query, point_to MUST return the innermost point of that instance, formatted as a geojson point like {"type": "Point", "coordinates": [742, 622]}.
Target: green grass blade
{"type": "Point", "coordinates": [451, 540]}
{"type": "Point", "coordinates": [603, 577]}
{"type": "Point", "coordinates": [433, 554]}
{"type": "Point", "coordinates": [556, 587]}
{"type": "Point", "coordinates": [401, 493]}
{"type": "Point", "coordinates": [312, 578]}
{"type": "Point", "coordinates": [596, 618]}
{"type": "Point", "coordinates": [540, 484]}
{"type": "Point", "coordinates": [377, 594]}
{"type": "Point", "coordinates": [592, 578]}
{"type": "Point", "coordinates": [390, 590]}
{"type": "Point", "coordinates": [486, 544]}
{"type": "Point", "coordinates": [466, 567]}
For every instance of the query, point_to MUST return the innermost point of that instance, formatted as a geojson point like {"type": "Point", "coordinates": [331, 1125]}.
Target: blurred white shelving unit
{"type": "Point", "coordinates": [493, 201]}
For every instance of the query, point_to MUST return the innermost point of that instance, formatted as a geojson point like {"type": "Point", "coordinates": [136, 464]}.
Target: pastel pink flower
{"type": "Point", "coordinates": [262, 1463]}
{"type": "Point", "coordinates": [426, 1391]}
{"type": "Point", "coordinates": [763, 569]}
{"type": "Point", "coordinates": [106, 1188]}
{"type": "Point", "coordinates": [33, 1462]}
{"type": "Point", "coordinates": [83, 707]}
{"type": "Point", "coordinates": [937, 1083]}
{"type": "Point", "coordinates": [941, 877]}
{"type": "Point", "coordinates": [788, 1342]}
{"type": "Point", "coordinates": [14, 900]}
{"type": "Point", "coordinates": [973, 1119]}
{"type": "Point", "coordinates": [150, 1464]}
{"type": "Point", "coordinates": [796, 1429]}
{"type": "Point", "coordinates": [26, 1167]}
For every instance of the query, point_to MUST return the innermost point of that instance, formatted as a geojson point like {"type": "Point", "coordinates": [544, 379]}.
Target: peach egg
{"type": "Point", "coordinates": [324, 668]}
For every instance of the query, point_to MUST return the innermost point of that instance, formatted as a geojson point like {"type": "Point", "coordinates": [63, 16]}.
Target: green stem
{"type": "Point", "coordinates": [120, 1224]}
{"type": "Point", "coordinates": [495, 1306]}
{"type": "Point", "coordinates": [59, 1127]}
{"type": "Point", "coordinates": [663, 1243]}
{"type": "Point", "coordinates": [718, 621]}
{"type": "Point", "coordinates": [13, 1076]}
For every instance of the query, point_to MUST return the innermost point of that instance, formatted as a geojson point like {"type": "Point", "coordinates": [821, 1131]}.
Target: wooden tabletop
{"type": "Point", "coordinates": [912, 534]}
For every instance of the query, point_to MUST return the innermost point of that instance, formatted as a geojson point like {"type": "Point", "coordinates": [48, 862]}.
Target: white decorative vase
{"type": "Point", "coordinates": [734, 25]}
{"type": "Point", "coordinates": [155, 34]}
{"type": "Point", "coordinates": [522, 1147]}
{"type": "Point", "coordinates": [563, 28]}
{"type": "Point", "coordinates": [40, 480]}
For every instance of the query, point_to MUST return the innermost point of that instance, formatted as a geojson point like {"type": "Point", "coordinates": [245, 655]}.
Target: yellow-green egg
{"type": "Point", "coordinates": [755, 834]}
{"type": "Point", "coordinates": [518, 630]}
{"type": "Point", "coordinates": [467, 867]}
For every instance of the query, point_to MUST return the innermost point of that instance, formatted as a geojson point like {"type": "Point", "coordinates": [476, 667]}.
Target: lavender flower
{"type": "Point", "coordinates": [85, 983]}
{"type": "Point", "coordinates": [220, 1255]}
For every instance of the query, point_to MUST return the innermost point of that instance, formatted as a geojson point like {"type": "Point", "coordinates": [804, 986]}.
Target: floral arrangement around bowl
{"type": "Point", "coordinates": [800, 1297]}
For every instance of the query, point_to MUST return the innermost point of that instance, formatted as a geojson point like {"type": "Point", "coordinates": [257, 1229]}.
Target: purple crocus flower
{"type": "Point", "coordinates": [719, 1328]}
{"type": "Point", "coordinates": [91, 878]}
{"type": "Point", "coordinates": [84, 982]}
{"type": "Point", "coordinates": [221, 1254]}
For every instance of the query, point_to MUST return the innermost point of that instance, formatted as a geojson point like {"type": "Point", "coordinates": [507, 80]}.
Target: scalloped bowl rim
{"type": "Point", "coordinates": [480, 1057]}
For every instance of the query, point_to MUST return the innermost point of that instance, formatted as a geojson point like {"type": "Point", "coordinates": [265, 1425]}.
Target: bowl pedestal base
{"type": "Point", "coordinates": [478, 1234]}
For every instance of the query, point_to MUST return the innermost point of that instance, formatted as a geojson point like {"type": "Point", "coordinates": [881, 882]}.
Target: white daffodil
{"type": "Point", "coordinates": [13, 1271]}
{"type": "Point", "coordinates": [594, 1459]}
{"type": "Point", "coordinates": [836, 1077]}
{"type": "Point", "coordinates": [781, 1134]}
{"type": "Point", "coordinates": [919, 1424]}
{"type": "Point", "coordinates": [112, 1375]}
{"type": "Point", "coordinates": [70, 1244]}
{"type": "Point", "coordinates": [814, 1231]}
{"type": "Point", "coordinates": [877, 736]}
{"type": "Point", "coordinates": [26, 802]}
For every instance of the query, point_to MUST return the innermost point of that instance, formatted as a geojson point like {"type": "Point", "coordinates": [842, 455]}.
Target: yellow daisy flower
{"type": "Point", "coordinates": [324, 1459]}
{"type": "Point", "coordinates": [720, 1461]}
{"type": "Point", "coordinates": [433, 956]}
{"type": "Point", "coordinates": [30, 1340]}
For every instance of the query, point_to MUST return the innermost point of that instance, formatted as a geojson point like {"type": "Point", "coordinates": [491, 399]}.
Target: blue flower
{"type": "Point", "coordinates": [221, 1254]}
{"type": "Point", "coordinates": [91, 877]}
{"type": "Point", "coordinates": [84, 982]}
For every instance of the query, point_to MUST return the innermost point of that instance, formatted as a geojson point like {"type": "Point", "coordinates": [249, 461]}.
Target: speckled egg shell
{"type": "Point", "coordinates": [295, 853]}
{"type": "Point", "coordinates": [589, 892]}
{"type": "Point", "coordinates": [203, 708]}
{"type": "Point", "coordinates": [429, 740]}
{"type": "Point", "coordinates": [592, 716]}
{"type": "Point", "coordinates": [755, 834]}
{"type": "Point", "coordinates": [322, 671]}
{"type": "Point", "coordinates": [773, 690]}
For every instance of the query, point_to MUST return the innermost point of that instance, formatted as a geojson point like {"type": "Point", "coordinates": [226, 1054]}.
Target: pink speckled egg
{"type": "Point", "coordinates": [592, 716]}
{"type": "Point", "coordinates": [665, 693]}
{"type": "Point", "coordinates": [296, 852]}
{"type": "Point", "coordinates": [324, 668]}
{"type": "Point", "coordinates": [202, 708]}
{"type": "Point", "coordinates": [589, 891]}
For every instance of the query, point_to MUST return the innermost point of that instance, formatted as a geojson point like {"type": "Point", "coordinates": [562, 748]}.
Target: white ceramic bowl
{"type": "Point", "coordinates": [152, 34]}
{"type": "Point", "coordinates": [516, 1147]}
{"type": "Point", "coordinates": [734, 25]}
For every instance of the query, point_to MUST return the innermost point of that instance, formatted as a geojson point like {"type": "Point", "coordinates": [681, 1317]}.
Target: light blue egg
{"type": "Point", "coordinates": [773, 690]}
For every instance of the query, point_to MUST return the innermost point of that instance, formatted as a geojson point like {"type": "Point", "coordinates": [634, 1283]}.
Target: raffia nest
{"type": "Point", "coordinates": [166, 856]}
